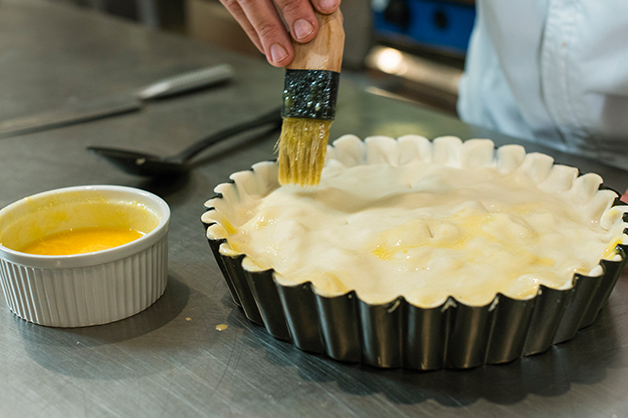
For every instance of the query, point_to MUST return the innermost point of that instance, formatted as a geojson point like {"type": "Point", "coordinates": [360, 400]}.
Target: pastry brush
{"type": "Point", "coordinates": [309, 103]}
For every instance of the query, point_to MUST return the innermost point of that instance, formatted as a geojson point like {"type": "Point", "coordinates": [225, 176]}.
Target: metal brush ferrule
{"type": "Point", "coordinates": [310, 94]}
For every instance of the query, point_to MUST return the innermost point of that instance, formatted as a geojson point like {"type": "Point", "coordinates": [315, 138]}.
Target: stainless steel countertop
{"type": "Point", "coordinates": [170, 360]}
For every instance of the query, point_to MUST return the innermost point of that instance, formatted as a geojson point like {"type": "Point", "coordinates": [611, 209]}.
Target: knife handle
{"type": "Point", "coordinates": [187, 81]}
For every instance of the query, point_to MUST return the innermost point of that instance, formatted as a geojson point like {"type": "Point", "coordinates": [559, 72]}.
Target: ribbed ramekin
{"type": "Point", "coordinates": [91, 288]}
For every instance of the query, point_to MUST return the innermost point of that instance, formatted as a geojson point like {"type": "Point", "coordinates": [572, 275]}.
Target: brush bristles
{"type": "Point", "coordinates": [302, 148]}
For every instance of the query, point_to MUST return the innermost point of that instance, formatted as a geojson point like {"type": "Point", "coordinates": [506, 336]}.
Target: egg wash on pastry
{"type": "Point", "coordinates": [426, 220]}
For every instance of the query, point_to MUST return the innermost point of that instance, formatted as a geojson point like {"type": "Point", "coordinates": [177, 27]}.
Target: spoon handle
{"type": "Point", "coordinates": [272, 117]}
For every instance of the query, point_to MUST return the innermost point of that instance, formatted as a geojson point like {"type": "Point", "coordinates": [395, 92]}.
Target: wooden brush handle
{"type": "Point", "coordinates": [325, 51]}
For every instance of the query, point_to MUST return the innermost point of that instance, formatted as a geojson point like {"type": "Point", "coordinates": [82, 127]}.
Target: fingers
{"type": "Point", "coordinates": [263, 23]}
{"type": "Point", "coordinates": [300, 19]}
{"type": "Point", "coordinates": [326, 6]}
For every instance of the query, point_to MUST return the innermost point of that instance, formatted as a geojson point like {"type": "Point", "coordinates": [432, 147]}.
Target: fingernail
{"type": "Point", "coordinates": [278, 53]}
{"type": "Point", "coordinates": [328, 5]}
{"type": "Point", "coordinates": [302, 28]}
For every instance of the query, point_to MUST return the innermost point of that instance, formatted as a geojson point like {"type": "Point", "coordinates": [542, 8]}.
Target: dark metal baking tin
{"type": "Point", "coordinates": [399, 334]}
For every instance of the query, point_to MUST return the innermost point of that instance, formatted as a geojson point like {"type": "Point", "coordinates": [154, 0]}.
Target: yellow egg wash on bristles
{"type": "Point", "coordinates": [301, 150]}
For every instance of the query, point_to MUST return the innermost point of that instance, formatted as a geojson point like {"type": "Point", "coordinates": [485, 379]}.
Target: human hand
{"type": "Point", "coordinates": [263, 23]}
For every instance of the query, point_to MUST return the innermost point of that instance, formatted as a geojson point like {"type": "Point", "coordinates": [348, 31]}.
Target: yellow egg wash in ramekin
{"type": "Point", "coordinates": [81, 241]}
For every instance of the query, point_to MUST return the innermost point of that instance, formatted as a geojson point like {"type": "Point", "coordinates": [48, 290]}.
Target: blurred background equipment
{"type": "Point", "coordinates": [443, 26]}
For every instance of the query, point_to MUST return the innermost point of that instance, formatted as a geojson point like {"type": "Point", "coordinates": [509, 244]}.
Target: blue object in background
{"type": "Point", "coordinates": [440, 25]}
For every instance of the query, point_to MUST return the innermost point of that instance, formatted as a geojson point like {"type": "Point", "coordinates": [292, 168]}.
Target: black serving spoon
{"type": "Point", "coordinates": [149, 165]}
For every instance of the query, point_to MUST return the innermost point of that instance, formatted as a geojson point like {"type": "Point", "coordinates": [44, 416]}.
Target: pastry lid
{"type": "Point", "coordinates": [398, 333]}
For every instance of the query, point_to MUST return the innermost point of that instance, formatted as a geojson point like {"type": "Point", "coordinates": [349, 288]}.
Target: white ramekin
{"type": "Point", "coordinates": [84, 289]}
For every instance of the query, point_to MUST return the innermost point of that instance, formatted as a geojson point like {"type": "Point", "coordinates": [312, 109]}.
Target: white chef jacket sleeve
{"type": "Point", "coordinates": [553, 71]}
